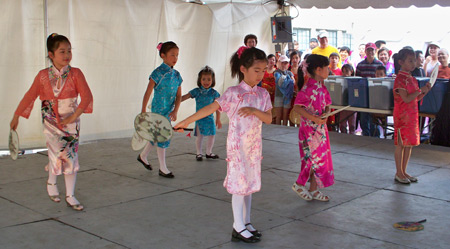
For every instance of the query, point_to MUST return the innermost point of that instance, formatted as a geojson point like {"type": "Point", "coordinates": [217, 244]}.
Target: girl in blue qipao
{"type": "Point", "coordinates": [166, 82]}
{"type": "Point", "coordinates": [205, 95]}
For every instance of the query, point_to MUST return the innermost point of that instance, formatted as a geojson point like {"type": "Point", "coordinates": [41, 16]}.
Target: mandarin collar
{"type": "Point", "coordinates": [404, 73]}
{"type": "Point", "coordinates": [59, 73]}
{"type": "Point", "coordinates": [204, 90]}
{"type": "Point", "coordinates": [247, 87]}
{"type": "Point", "coordinates": [165, 66]}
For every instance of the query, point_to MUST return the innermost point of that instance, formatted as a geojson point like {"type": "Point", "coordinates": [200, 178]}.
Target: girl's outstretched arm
{"type": "Point", "coordinates": [148, 92]}
{"type": "Point", "coordinates": [186, 96]}
{"type": "Point", "coordinates": [205, 111]}
{"type": "Point", "coordinates": [266, 117]}
{"type": "Point", "coordinates": [316, 119]}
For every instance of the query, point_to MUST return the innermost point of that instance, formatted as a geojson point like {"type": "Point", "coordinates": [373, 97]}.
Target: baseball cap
{"type": "Point", "coordinates": [434, 43]}
{"type": "Point", "coordinates": [313, 40]}
{"type": "Point", "coordinates": [371, 45]}
{"type": "Point", "coordinates": [283, 58]}
{"type": "Point", "coordinates": [322, 34]}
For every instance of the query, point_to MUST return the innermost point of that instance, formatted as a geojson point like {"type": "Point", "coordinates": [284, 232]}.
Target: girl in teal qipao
{"type": "Point", "coordinates": [166, 82]}
{"type": "Point", "coordinates": [205, 95]}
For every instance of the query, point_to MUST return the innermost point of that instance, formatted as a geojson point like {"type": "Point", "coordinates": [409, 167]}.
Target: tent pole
{"type": "Point", "coordinates": [46, 27]}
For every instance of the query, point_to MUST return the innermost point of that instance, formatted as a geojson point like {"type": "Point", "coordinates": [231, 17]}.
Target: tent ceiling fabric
{"type": "Point", "coordinates": [356, 4]}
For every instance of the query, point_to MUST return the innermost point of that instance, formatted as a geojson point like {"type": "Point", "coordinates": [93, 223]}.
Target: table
{"type": "Point", "coordinates": [385, 124]}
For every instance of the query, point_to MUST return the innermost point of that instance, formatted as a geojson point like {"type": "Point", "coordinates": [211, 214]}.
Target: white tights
{"type": "Point", "coordinates": [161, 157]}
{"type": "Point", "coordinates": [242, 205]}
{"type": "Point", "coordinates": [70, 181]}
{"type": "Point", "coordinates": [199, 143]}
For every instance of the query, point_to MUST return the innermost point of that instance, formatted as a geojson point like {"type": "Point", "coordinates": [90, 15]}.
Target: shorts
{"type": "Point", "coordinates": [278, 102]}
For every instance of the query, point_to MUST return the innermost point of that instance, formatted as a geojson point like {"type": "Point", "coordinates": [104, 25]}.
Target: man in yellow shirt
{"type": "Point", "coordinates": [323, 48]}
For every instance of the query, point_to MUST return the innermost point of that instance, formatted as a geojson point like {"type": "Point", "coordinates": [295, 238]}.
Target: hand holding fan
{"type": "Point", "coordinates": [13, 144]}
{"type": "Point", "coordinates": [335, 112]}
{"type": "Point", "coordinates": [294, 117]}
{"type": "Point", "coordinates": [434, 75]}
{"type": "Point", "coordinates": [153, 127]}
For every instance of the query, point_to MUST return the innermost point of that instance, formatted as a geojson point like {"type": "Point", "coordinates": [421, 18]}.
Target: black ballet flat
{"type": "Point", "coordinates": [236, 237]}
{"type": "Point", "coordinates": [170, 175]}
{"type": "Point", "coordinates": [147, 166]}
{"type": "Point", "coordinates": [255, 233]}
{"type": "Point", "coordinates": [212, 156]}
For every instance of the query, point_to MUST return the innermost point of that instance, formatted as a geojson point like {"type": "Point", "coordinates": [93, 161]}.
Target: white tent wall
{"type": "Point", "coordinates": [114, 44]}
{"type": "Point", "coordinates": [21, 47]}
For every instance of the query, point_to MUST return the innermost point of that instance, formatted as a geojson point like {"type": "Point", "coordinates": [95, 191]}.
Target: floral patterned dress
{"type": "Point", "coordinates": [59, 91]}
{"type": "Point", "coordinates": [244, 142]}
{"type": "Point", "coordinates": [167, 81]}
{"type": "Point", "coordinates": [314, 143]}
{"type": "Point", "coordinates": [204, 97]}
{"type": "Point", "coordinates": [406, 115]}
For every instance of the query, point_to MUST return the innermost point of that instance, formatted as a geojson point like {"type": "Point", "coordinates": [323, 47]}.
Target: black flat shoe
{"type": "Point", "coordinates": [147, 166]}
{"type": "Point", "coordinates": [199, 157]}
{"type": "Point", "coordinates": [255, 233]}
{"type": "Point", "coordinates": [236, 237]}
{"type": "Point", "coordinates": [170, 175]}
{"type": "Point", "coordinates": [212, 156]}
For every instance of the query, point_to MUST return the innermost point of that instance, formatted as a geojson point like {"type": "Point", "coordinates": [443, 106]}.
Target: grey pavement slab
{"type": "Point", "coordinates": [299, 234]}
{"type": "Point", "coordinates": [370, 171]}
{"type": "Point", "coordinates": [434, 184]}
{"type": "Point", "coordinates": [13, 214]}
{"type": "Point", "coordinates": [131, 207]}
{"type": "Point", "coordinates": [174, 220]}
{"type": "Point", "coordinates": [94, 189]}
{"type": "Point", "coordinates": [50, 234]}
{"type": "Point", "coordinates": [26, 167]}
{"type": "Point", "coordinates": [423, 154]}
{"type": "Point", "coordinates": [373, 216]}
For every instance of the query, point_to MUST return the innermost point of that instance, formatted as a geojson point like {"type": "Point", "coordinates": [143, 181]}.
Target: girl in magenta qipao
{"type": "Point", "coordinates": [247, 106]}
{"type": "Point", "coordinates": [58, 88]}
{"type": "Point", "coordinates": [313, 102]}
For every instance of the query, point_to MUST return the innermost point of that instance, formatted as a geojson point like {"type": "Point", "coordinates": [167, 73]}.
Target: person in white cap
{"type": "Point", "coordinates": [284, 90]}
{"type": "Point", "coordinates": [431, 58]}
{"type": "Point", "coordinates": [323, 48]}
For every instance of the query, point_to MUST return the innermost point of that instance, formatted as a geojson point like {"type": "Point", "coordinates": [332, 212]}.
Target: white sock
{"type": "Point", "coordinates": [145, 152]}
{"type": "Point", "coordinates": [247, 210]}
{"type": "Point", "coordinates": [162, 160]}
{"type": "Point", "coordinates": [70, 188]}
{"type": "Point", "coordinates": [237, 203]}
{"type": "Point", "coordinates": [52, 189]}
{"type": "Point", "coordinates": [199, 142]}
{"type": "Point", "coordinates": [210, 144]}
{"type": "Point", "coordinates": [70, 183]}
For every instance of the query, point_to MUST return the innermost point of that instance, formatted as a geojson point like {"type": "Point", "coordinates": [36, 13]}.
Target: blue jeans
{"type": "Point", "coordinates": [367, 126]}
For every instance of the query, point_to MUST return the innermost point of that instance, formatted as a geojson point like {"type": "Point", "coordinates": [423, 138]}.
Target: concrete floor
{"type": "Point", "coordinates": [127, 206]}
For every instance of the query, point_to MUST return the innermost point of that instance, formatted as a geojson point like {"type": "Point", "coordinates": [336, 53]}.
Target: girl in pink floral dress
{"type": "Point", "coordinates": [247, 106]}
{"type": "Point", "coordinates": [406, 114]}
{"type": "Point", "coordinates": [58, 88]}
{"type": "Point", "coordinates": [312, 102]}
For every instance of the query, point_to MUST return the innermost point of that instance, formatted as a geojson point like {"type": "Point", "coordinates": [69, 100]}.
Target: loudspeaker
{"type": "Point", "coordinates": [281, 29]}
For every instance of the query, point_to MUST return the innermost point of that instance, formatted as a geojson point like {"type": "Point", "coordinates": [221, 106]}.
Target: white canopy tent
{"type": "Point", "coordinates": [114, 44]}
{"type": "Point", "coordinates": [356, 4]}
